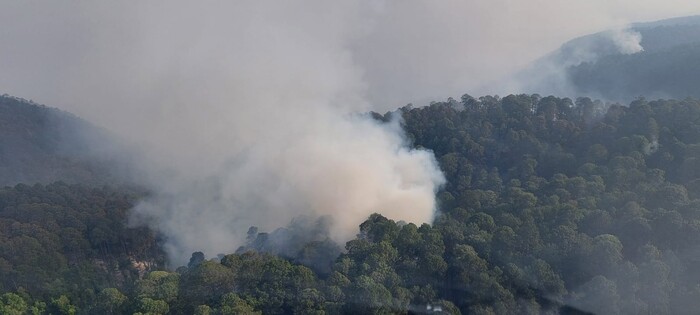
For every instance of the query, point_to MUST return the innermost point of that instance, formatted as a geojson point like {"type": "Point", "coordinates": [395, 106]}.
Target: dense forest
{"type": "Point", "coordinates": [551, 206]}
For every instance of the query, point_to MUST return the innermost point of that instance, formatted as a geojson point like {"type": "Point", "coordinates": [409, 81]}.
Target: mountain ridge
{"type": "Point", "coordinates": [659, 59]}
{"type": "Point", "coordinates": [41, 144]}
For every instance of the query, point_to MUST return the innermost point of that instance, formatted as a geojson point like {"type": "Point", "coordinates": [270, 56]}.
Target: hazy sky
{"type": "Point", "coordinates": [93, 57]}
{"type": "Point", "coordinates": [242, 109]}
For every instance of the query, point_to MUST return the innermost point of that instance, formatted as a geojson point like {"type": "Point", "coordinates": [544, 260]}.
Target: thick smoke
{"type": "Point", "coordinates": [244, 112]}
{"type": "Point", "coordinates": [74, 54]}
{"type": "Point", "coordinates": [333, 165]}
{"type": "Point", "coordinates": [281, 138]}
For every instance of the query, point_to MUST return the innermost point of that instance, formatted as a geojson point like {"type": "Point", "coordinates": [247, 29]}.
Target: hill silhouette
{"type": "Point", "coordinates": [655, 60]}
{"type": "Point", "coordinates": [39, 144]}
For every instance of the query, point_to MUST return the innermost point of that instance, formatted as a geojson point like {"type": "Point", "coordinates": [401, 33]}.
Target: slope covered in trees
{"type": "Point", "coordinates": [552, 206]}
{"type": "Point", "coordinates": [42, 144]}
{"type": "Point", "coordinates": [594, 207]}
{"type": "Point", "coordinates": [656, 60]}
{"type": "Point", "coordinates": [70, 240]}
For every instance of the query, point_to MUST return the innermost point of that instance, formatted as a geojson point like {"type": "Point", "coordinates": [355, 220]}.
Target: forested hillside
{"type": "Point", "coordinates": [669, 73]}
{"type": "Point", "coordinates": [59, 241]}
{"type": "Point", "coordinates": [42, 144]}
{"type": "Point", "coordinates": [551, 206]}
{"type": "Point", "coordinates": [593, 207]}
{"type": "Point", "coordinates": [607, 65]}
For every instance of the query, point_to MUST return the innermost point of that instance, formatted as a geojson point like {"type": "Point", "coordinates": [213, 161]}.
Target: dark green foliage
{"type": "Point", "coordinates": [110, 301]}
{"type": "Point", "coordinates": [13, 304]}
{"type": "Point", "coordinates": [551, 206]}
{"type": "Point", "coordinates": [305, 241]}
{"type": "Point", "coordinates": [73, 241]}
{"type": "Point", "coordinates": [562, 202]}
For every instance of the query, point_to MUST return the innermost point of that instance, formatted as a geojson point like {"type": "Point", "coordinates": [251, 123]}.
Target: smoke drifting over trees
{"type": "Point", "coordinates": [253, 113]}
{"type": "Point", "coordinates": [406, 51]}
{"type": "Point", "coordinates": [254, 125]}
{"type": "Point", "coordinates": [271, 136]}
{"type": "Point", "coordinates": [244, 112]}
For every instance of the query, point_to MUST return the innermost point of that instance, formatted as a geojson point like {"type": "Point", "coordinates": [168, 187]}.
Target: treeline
{"type": "Point", "coordinates": [391, 268]}
{"type": "Point", "coordinates": [59, 241]}
{"type": "Point", "coordinates": [587, 205]}
{"type": "Point", "coordinates": [552, 206]}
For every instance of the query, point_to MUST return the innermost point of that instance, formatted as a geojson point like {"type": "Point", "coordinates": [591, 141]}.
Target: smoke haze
{"type": "Point", "coordinates": [627, 42]}
{"type": "Point", "coordinates": [244, 111]}
{"type": "Point", "coordinates": [549, 76]}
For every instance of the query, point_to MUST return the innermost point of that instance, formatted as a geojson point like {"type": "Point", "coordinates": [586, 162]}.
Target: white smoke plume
{"type": "Point", "coordinates": [334, 165]}
{"type": "Point", "coordinates": [281, 139]}
{"type": "Point", "coordinates": [245, 111]}
{"type": "Point", "coordinates": [549, 76]}
{"type": "Point", "coordinates": [627, 41]}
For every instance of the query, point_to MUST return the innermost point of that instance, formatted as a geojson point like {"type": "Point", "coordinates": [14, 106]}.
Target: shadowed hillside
{"type": "Point", "coordinates": [655, 60]}
{"type": "Point", "coordinates": [39, 144]}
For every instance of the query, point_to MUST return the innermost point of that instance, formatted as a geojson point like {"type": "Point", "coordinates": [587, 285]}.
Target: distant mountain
{"type": "Point", "coordinates": [39, 144]}
{"type": "Point", "coordinates": [656, 60]}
